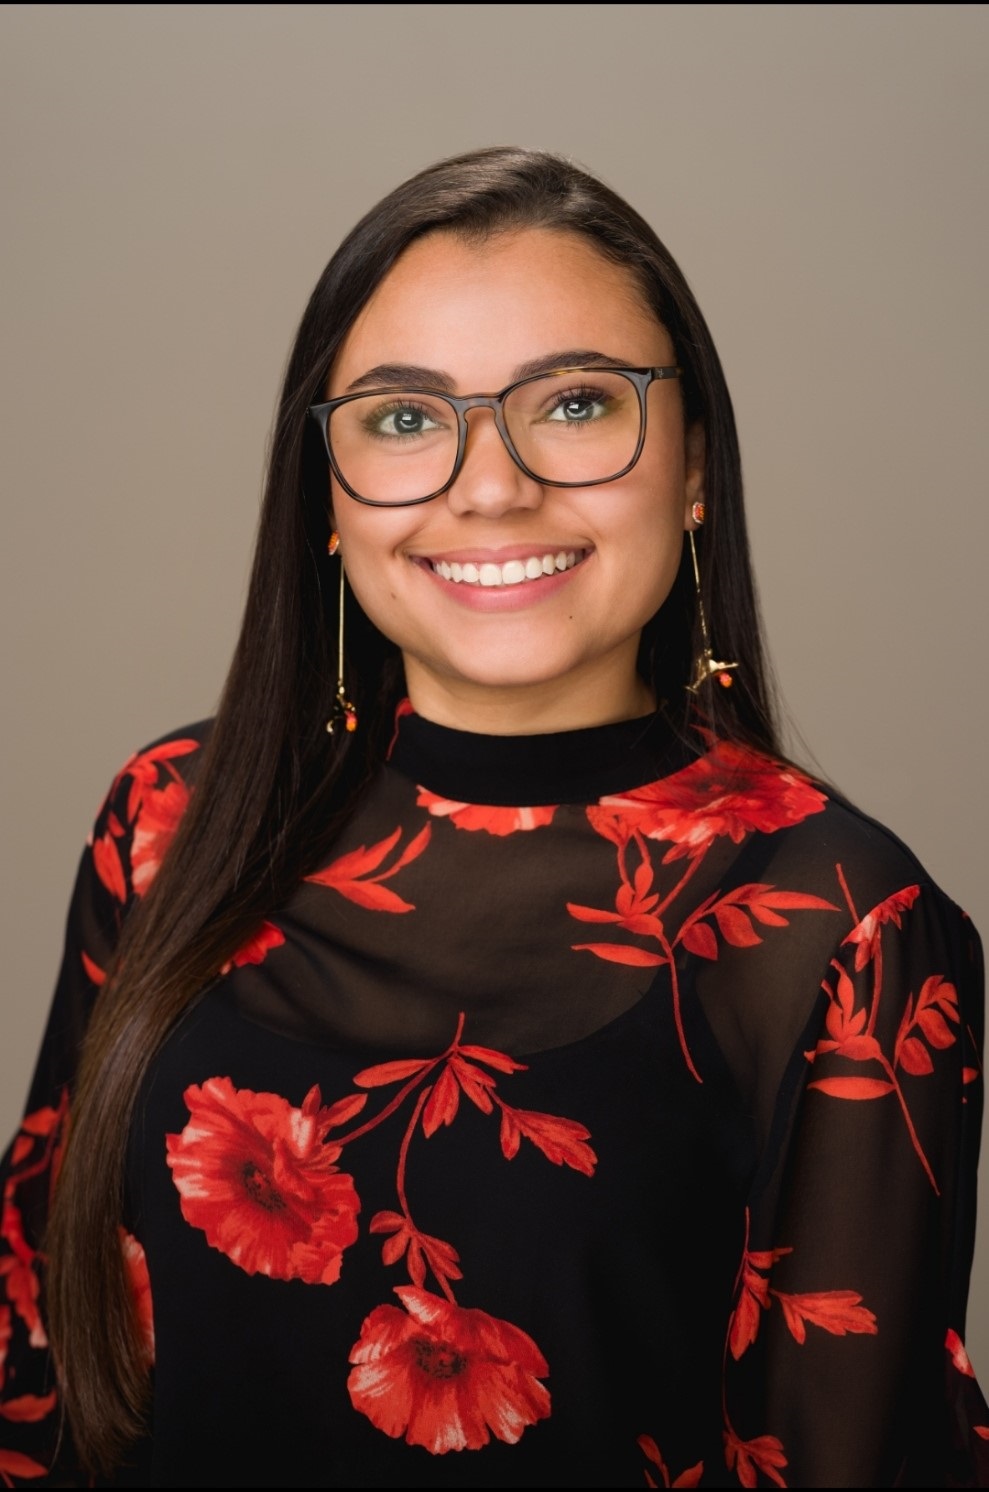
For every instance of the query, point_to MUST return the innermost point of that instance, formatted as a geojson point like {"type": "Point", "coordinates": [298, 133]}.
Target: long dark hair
{"type": "Point", "coordinates": [273, 789]}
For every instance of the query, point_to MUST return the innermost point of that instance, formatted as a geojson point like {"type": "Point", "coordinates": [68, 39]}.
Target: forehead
{"type": "Point", "coordinates": [479, 310]}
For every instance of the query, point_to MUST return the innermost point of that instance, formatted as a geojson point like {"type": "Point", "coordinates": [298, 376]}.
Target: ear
{"type": "Point", "coordinates": [695, 453]}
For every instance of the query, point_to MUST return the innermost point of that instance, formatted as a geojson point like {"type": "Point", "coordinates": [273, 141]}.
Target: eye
{"type": "Point", "coordinates": [402, 418]}
{"type": "Point", "coordinates": [579, 407]}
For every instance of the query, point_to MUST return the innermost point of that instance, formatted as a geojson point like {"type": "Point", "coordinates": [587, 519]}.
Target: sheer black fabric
{"type": "Point", "coordinates": [604, 1113]}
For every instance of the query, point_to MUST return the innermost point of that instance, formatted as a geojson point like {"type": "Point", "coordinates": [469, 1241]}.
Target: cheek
{"type": "Point", "coordinates": [369, 539]}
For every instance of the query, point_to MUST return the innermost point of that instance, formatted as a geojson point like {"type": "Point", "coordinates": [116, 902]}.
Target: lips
{"type": "Point", "coordinates": [489, 574]}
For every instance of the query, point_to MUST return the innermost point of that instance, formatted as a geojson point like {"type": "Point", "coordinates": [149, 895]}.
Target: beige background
{"type": "Point", "coordinates": [174, 178]}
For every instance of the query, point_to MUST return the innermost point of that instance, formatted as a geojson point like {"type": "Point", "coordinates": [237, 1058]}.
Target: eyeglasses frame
{"type": "Point", "coordinates": [640, 378]}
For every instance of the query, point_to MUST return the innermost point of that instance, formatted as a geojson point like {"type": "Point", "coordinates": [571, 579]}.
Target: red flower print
{"type": "Point", "coordinates": [108, 866]}
{"type": "Point", "coordinates": [563, 1141]}
{"type": "Point", "coordinates": [350, 874]}
{"type": "Point", "coordinates": [257, 947]}
{"type": "Point", "coordinates": [420, 1249]}
{"type": "Point", "coordinates": [29, 1408]}
{"type": "Point", "coordinates": [850, 1035]}
{"type": "Point", "coordinates": [846, 1028]}
{"type": "Point", "coordinates": [737, 913]}
{"type": "Point", "coordinates": [462, 1075]}
{"type": "Point", "coordinates": [689, 1478]}
{"type": "Point", "coordinates": [491, 819]}
{"type": "Point", "coordinates": [956, 1347]}
{"type": "Point", "coordinates": [753, 1298]}
{"type": "Point", "coordinates": [136, 1268]}
{"type": "Point", "coordinates": [937, 1005]}
{"type": "Point", "coordinates": [94, 973]}
{"type": "Point", "coordinates": [444, 1377]}
{"type": "Point", "coordinates": [730, 792]}
{"type": "Point", "coordinates": [142, 769]}
{"type": "Point", "coordinates": [12, 1463]}
{"type": "Point", "coordinates": [747, 1457]}
{"type": "Point", "coordinates": [6, 1332]}
{"type": "Point", "coordinates": [836, 1311]}
{"type": "Point", "coordinates": [866, 934]}
{"type": "Point", "coordinates": [259, 1178]}
{"type": "Point", "coordinates": [154, 831]}
{"type": "Point", "coordinates": [18, 1276]}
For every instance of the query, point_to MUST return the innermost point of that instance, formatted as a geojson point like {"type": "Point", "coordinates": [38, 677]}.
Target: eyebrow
{"type": "Point", "coordinates": [411, 375]}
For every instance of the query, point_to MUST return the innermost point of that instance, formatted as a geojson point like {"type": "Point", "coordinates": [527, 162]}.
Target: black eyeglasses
{"type": "Point", "coordinates": [574, 427]}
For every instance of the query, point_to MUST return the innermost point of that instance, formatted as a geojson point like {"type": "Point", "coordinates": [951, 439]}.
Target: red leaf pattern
{"type": "Point", "coordinates": [257, 947]}
{"type": "Point", "coordinates": [838, 1312]}
{"type": "Point", "coordinates": [352, 874]}
{"type": "Point", "coordinates": [689, 1478]}
{"type": "Point", "coordinates": [747, 1458]}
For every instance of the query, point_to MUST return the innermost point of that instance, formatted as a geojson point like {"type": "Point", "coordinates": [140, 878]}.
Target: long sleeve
{"type": "Point", "coordinates": [845, 1365]}
{"type": "Point", "coordinates": [29, 1414]}
{"type": "Point", "coordinates": [128, 839]}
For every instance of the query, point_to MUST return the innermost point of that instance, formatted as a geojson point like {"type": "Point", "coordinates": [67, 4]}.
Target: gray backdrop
{"type": "Point", "coordinates": [174, 178]}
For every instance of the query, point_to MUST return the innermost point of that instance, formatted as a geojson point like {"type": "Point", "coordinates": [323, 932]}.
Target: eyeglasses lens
{"type": "Point", "coordinates": [577, 427]}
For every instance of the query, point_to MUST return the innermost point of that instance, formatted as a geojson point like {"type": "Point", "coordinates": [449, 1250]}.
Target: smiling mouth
{"type": "Point", "coordinates": [513, 572]}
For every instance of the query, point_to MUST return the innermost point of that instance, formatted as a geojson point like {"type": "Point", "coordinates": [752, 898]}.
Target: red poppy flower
{"type": "Point", "coordinates": [444, 1377]}
{"type": "Point", "coordinates": [728, 793]}
{"type": "Point", "coordinates": [136, 1267]}
{"type": "Point", "coordinates": [154, 831]}
{"type": "Point", "coordinates": [492, 820]}
{"type": "Point", "coordinates": [259, 1178]}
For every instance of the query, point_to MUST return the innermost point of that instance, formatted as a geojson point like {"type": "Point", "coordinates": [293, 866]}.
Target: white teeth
{"type": "Point", "coordinates": [513, 572]}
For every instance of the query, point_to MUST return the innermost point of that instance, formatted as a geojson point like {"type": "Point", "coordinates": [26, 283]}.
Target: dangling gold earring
{"type": "Point", "coordinates": [707, 665]}
{"type": "Point", "coordinates": [342, 707]}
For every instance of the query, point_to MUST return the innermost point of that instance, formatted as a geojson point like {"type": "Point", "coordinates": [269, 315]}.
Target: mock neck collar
{"type": "Point", "coordinates": [574, 766]}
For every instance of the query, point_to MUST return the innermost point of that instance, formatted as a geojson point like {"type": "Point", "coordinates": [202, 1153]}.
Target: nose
{"type": "Point", "coordinates": [489, 481]}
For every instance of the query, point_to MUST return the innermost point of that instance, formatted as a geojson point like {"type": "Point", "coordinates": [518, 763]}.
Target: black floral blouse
{"type": "Point", "coordinates": [604, 1113]}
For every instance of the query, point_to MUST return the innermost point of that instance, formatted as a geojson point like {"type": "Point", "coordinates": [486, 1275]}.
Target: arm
{"type": "Point", "coordinates": [28, 1399]}
{"type": "Point", "coordinates": [129, 837]}
{"type": "Point", "coordinates": [860, 1233]}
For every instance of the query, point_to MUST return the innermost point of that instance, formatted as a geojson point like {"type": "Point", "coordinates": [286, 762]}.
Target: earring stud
{"type": "Point", "coordinates": [697, 513]}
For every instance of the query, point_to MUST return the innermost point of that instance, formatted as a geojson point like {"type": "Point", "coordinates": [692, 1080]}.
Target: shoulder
{"type": "Point", "coordinates": [143, 808]}
{"type": "Point", "coordinates": [792, 819]}
{"type": "Point", "coordinates": [887, 903]}
{"type": "Point", "coordinates": [870, 861]}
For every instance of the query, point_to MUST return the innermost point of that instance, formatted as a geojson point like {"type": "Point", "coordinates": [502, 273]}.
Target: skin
{"type": "Point", "coordinates": [555, 658]}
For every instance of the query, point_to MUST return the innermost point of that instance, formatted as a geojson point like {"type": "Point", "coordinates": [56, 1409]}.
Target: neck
{"type": "Point", "coordinates": [598, 696]}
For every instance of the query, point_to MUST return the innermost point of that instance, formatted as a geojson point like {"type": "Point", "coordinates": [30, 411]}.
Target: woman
{"type": "Point", "coordinates": [489, 1043]}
